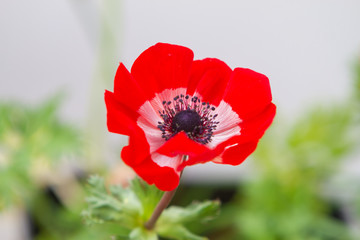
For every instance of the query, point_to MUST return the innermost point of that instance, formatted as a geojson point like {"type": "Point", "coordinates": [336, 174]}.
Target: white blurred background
{"type": "Point", "coordinates": [306, 48]}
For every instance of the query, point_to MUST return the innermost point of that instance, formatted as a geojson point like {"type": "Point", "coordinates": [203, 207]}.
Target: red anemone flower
{"type": "Point", "coordinates": [172, 106]}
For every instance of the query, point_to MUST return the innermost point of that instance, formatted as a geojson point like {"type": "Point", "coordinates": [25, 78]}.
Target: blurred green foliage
{"type": "Point", "coordinates": [32, 141]}
{"type": "Point", "coordinates": [285, 200]}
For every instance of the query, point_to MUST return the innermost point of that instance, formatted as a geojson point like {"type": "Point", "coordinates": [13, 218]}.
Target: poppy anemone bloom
{"type": "Point", "coordinates": [172, 106]}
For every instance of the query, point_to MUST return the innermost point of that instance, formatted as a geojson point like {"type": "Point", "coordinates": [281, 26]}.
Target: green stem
{"type": "Point", "coordinates": [163, 203]}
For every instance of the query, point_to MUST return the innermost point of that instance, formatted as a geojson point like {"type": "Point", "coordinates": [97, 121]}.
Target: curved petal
{"type": "Point", "coordinates": [164, 178]}
{"type": "Point", "coordinates": [248, 92]}
{"type": "Point", "coordinates": [236, 154]}
{"type": "Point", "coordinates": [126, 89]}
{"type": "Point", "coordinates": [209, 77]}
{"type": "Point", "coordinates": [162, 66]}
{"type": "Point", "coordinates": [137, 155]}
{"type": "Point", "coordinates": [201, 158]}
{"type": "Point", "coordinates": [255, 127]}
{"type": "Point", "coordinates": [138, 149]}
{"type": "Point", "coordinates": [180, 144]}
{"type": "Point", "coordinates": [120, 119]}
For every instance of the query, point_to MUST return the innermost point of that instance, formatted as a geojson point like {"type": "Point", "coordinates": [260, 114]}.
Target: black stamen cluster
{"type": "Point", "coordinates": [190, 115]}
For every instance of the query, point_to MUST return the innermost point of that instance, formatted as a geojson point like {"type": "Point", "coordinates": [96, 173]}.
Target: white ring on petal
{"type": "Point", "coordinates": [149, 116]}
{"type": "Point", "coordinates": [165, 161]}
{"type": "Point", "coordinates": [227, 127]}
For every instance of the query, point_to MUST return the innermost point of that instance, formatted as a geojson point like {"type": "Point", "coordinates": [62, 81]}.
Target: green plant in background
{"type": "Point", "coordinates": [34, 147]}
{"type": "Point", "coordinates": [285, 200]}
{"type": "Point", "coordinates": [32, 142]}
{"type": "Point", "coordinates": [37, 151]}
{"type": "Point", "coordinates": [130, 208]}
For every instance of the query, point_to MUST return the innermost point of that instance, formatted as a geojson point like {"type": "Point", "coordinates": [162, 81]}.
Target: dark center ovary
{"type": "Point", "coordinates": [186, 120]}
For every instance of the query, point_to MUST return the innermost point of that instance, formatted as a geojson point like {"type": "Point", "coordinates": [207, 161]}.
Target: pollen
{"type": "Point", "coordinates": [190, 115]}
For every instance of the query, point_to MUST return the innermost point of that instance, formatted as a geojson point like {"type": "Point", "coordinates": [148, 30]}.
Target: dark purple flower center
{"type": "Point", "coordinates": [189, 115]}
{"type": "Point", "coordinates": [186, 120]}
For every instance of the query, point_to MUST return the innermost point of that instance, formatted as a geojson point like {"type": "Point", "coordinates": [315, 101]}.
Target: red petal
{"type": "Point", "coordinates": [161, 67]}
{"type": "Point", "coordinates": [120, 119]}
{"type": "Point", "coordinates": [237, 154]}
{"type": "Point", "coordinates": [164, 178]}
{"type": "Point", "coordinates": [126, 90]}
{"type": "Point", "coordinates": [137, 150]}
{"type": "Point", "coordinates": [248, 92]}
{"type": "Point", "coordinates": [201, 158]}
{"type": "Point", "coordinates": [255, 127]}
{"type": "Point", "coordinates": [180, 144]}
{"type": "Point", "coordinates": [137, 156]}
{"type": "Point", "coordinates": [209, 77]}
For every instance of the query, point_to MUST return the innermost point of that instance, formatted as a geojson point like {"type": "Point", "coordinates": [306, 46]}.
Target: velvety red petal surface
{"type": "Point", "coordinates": [237, 154]}
{"type": "Point", "coordinates": [120, 119]}
{"type": "Point", "coordinates": [255, 127]}
{"type": "Point", "coordinates": [201, 158]}
{"type": "Point", "coordinates": [209, 77]}
{"type": "Point", "coordinates": [127, 90]}
{"type": "Point", "coordinates": [181, 144]}
{"type": "Point", "coordinates": [248, 92]}
{"type": "Point", "coordinates": [162, 66]}
{"type": "Point", "coordinates": [164, 178]}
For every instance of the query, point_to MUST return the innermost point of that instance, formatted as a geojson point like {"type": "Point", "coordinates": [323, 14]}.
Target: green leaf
{"type": "Point", "coordinates": [172, 223]}
{"type": "Point", "coordinates": [116, 205]}
{"type": "Point", "coordinates": [142, 234]}
{"type": "Point", "coordinates": [148, 195]}
{"type": "Point", "coordinates": [198, 211]}
{"type": "Point", "coordinates": [178, 232]}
